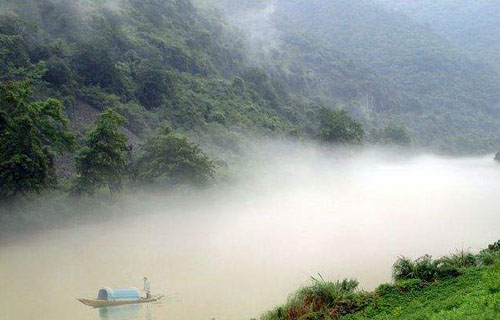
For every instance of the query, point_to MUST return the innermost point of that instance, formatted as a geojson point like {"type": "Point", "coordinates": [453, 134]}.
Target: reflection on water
{"type": "Point", "coordinates": [235, 253]}
{"type": "Point", "coordinates": [130, 312]}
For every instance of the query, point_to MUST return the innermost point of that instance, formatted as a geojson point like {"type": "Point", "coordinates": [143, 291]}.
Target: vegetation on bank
{"type": "Point", "coordinates": [461, 285]}
{"type": "Point", "coordinates": [33, 133]}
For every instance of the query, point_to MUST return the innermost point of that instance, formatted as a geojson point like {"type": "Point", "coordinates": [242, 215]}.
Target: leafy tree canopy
{"type": "Point", "coordinates": [172, 157]}
{"type": "Point", "coordinates": [337, 126]}
{"type": "Point", "coordinates": [102, 159]}
{"type": "Point", "coordinates": [31, 134]}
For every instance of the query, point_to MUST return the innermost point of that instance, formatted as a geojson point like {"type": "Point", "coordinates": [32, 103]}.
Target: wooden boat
{"type": "Point", "coordinates": [100, 303]}
{"type": "Point", "coordinates": [108, 297]}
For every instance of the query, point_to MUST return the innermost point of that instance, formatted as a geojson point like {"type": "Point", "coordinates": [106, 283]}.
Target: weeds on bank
{"type": "Point", "coordinates": [322, 300]}
{"type": "Point", "coordinates": [331, 300]}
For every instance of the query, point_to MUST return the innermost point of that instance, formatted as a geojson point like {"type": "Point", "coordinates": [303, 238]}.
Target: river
{"type": "Point", "coordinates": [235, 252]}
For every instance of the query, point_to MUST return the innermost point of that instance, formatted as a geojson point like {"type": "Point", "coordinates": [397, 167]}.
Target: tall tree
{"type": "Point", "coordinates": [172, 157]}
{"type": "Point", "coordinates": [339, 127]}
{"type": "Point", "coordinates": [102, 159]}
{"type": "Point", "coordinates": [31, 135]}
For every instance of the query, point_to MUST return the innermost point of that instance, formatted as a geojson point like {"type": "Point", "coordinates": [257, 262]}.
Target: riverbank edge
{"type": "Point", "coordinates": [461, 285]}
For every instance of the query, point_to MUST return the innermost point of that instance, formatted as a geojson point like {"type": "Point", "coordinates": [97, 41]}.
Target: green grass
{"type": "Point", "coordinates": [473, 295]}
{"type": "Point", "coordinates": [461, 285]}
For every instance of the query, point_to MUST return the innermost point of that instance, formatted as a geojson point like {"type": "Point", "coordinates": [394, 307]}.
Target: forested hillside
{"type": "Point", "coordinates": [153, 61]}
{"type": "Point", "coordinates": [222, 73]}
{"type": "Point", "coordinates": [384, 67]}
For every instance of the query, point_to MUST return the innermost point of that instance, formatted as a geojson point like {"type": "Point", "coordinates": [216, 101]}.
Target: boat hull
{"type": "Point", "coordinates": [113, 303]}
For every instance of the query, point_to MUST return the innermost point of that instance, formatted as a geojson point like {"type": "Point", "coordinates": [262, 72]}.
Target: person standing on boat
{"type": "Point", "coordinates": [147, 287]}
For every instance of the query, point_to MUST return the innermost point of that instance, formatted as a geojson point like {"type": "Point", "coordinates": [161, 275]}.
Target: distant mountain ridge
{"type": "Point", "coordinates": [385, 66]}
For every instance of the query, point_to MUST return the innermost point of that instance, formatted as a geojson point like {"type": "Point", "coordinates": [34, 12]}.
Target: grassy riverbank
{"type": "Point", "coordinates": [458, 286]}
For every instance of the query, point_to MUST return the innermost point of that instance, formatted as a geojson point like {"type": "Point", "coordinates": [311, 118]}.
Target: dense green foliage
{"type": "Point", "coordinates": [339, 127]}
{"type": "Point", "coordinates": [177, 65]}
{"type": "Point", "coordinates": [381, 65]}
{"type": "Point", "coordinates": [31, 135]}
{"type": "Point", "coordinates": [461, 286]}
{"type": "Point", "coordinates": [221, 72]}
{"type": "Point", "coordinates": [102, 159]}
{"type": "Point", "coordinates": [169, 61]}
{"type": "Point", "coordinates": [174, 158]}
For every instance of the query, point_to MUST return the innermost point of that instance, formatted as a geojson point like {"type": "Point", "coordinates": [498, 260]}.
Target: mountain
{"type": "Point", "coordinates": [155, 62]}
{"type": "Point", "coordinates": [220, 71]}
{"type": "Point", "coordinates": [380, 64]}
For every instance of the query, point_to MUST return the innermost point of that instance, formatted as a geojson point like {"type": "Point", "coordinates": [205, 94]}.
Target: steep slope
{"type": "Point", "coordinates": [473, 295]}
{"type": "Point", "coordinates": [155, 62]}
{"type": "Point", "coordinates": [444, 92]}
{"type": "Point", "coordinates": [379, 64]}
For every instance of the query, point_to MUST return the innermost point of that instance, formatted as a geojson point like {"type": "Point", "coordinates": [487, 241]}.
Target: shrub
{"type": "Point", "coordinates": [459, 259]}
{"type": "Point", "coordinates": [423, 268]}
{"type": "Point", "coordinates": [494, 246]}
{"type": "Point", "coordinates": [488, 258]}
{"type": "Point", "coordinates": [491, 255]}
{"type": "Point", "coordinates": [452, 265]}
{"type": "Point", "coordinates": [403, 268]}
{"type": "Point", "coordinates": [322, 300]}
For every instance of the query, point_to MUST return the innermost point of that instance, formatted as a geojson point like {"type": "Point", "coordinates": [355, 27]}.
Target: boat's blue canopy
{"type": "Point", "coordinates": [107, 293]}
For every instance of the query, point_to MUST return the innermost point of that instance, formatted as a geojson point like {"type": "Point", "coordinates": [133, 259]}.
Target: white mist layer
{"type": "Point", "coordinates": [239, 250]}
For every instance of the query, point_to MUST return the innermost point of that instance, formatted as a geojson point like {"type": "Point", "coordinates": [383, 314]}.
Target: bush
{"type": "Point", "coordinates": [491, 255]}
{"type": "Point", "coordinates": [322, 300]}
{"type": "Point", "coordinates": [459, 259]}
{"type": "Point", "coordinates": [488, 258]}
{"type": "Point", "coordinates": [429, 270]}
{"type": "Point", "coordinates": [452, 265]}
{"type": "Point", "coordinates": [494, 246]}
{"type": "Point", "coordinates": [403, 268]}
{"type": "Point", "coordinates": [423, 268]}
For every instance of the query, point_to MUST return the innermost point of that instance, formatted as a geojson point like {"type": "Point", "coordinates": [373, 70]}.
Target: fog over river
{"type": "Point", "coordinates": [237, 250]}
